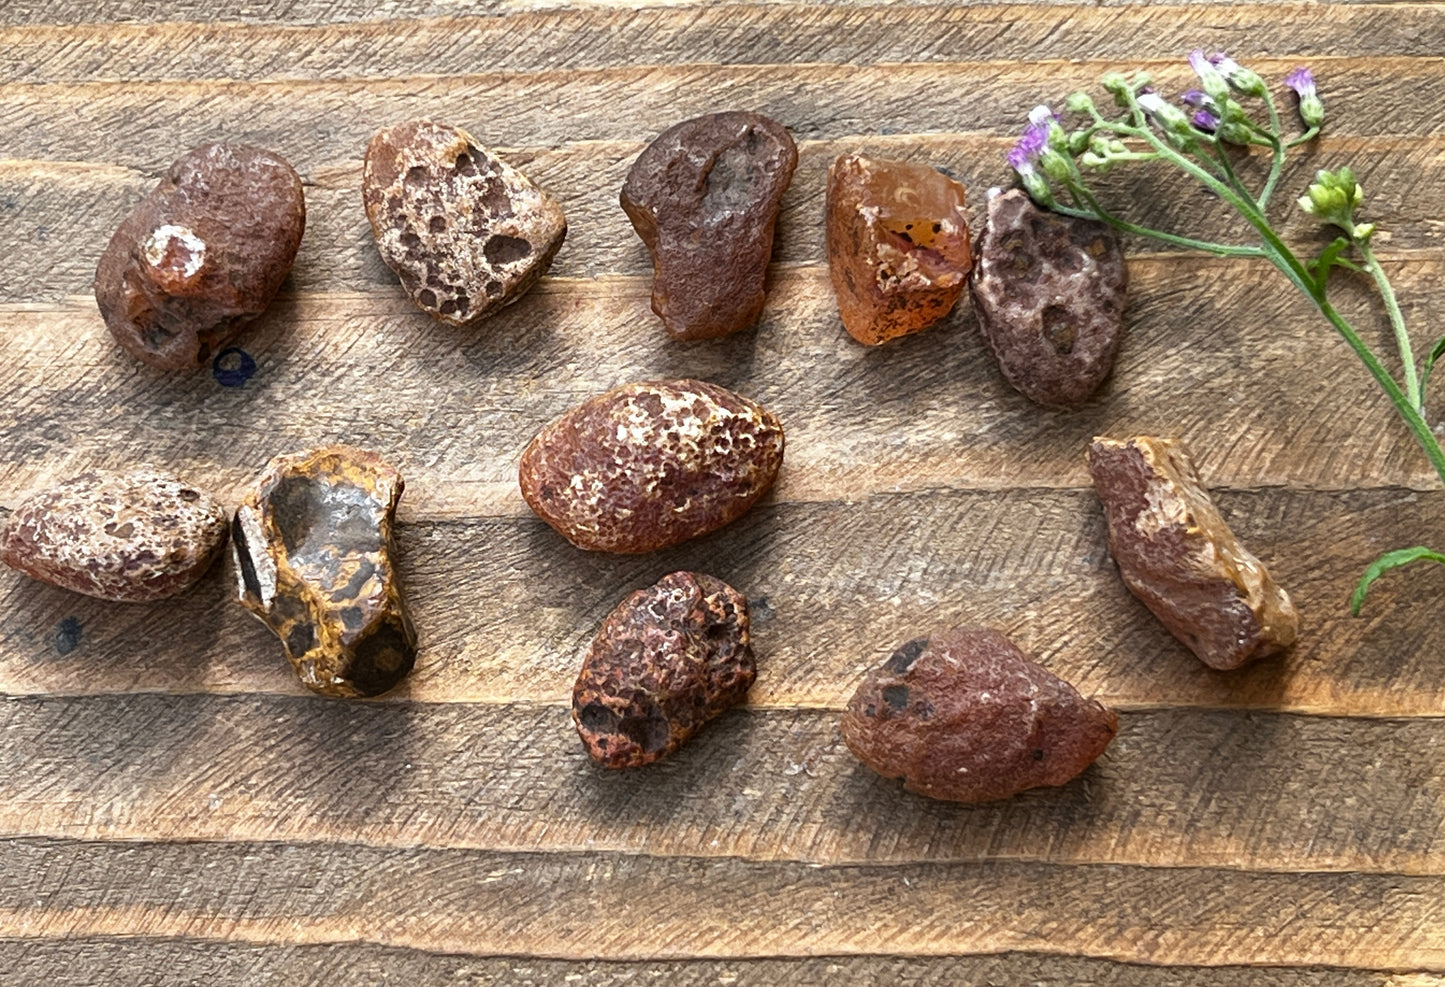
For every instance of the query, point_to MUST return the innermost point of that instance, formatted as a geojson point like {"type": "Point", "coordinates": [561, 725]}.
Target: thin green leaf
{"type": "Point", "coordinates": [1430, 358]}
{"type": "Point", "coordinates": [1328, 257]}
{"type": "Point", "coordinates": [1386, 562]}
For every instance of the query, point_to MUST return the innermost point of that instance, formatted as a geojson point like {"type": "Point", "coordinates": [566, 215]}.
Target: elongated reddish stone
{"type": "Point", "coordinates": [130, 537]}
{"type": "Point", "coordinates": [315, 561]}
{"type": "Point", "coordinates": [1049, 291]}
{"type": "Point", "coordinates": [968, 717]}
{"type": "Point", "coordinates": [1177, 555]}
{"type": "Point", "coordinates": [704, 197]}
{"type": "Point", "coordinates": [898, 246]}
{"type": "Point", "coordinates": [202, 255]}
{"type": "Point", "coordinates": [650, 465]}
{"type": "Point", "coordinates": [466, 232]}
{"type": "Point", "coordinates": [667, 660]}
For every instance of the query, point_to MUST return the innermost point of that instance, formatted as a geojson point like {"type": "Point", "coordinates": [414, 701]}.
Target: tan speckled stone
{"type": "Point", "coordinates": [650, 465]}
{"type": "Point", "coordinates": [466, 232]}
{"type": "Point", "coordinates": [129, 537]}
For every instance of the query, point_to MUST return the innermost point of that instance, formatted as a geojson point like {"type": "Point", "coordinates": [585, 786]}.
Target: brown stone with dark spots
{"type": "Point", "coordinates": [898, 246]}
{"type": "Point", "coordinates": [650, 465]}
{"type": "Point", "coordinates": [1176, 554]}
{"type": "Point", "coordinates": [1050, 292]}
{"type": "Point", "coordinates": [966, 716]}
{"type": "Point", "coordinates": [316, 561]}
{"type": "Point", "coordinates": [704, 197]}
{"type": "Point", "coordinates": [202, 255]}
{"type": "Point", "coordinates": [466, 232]}
{"type": "Point", "coordinates": [667, 660]}
{"type": "Point", "coordinates": [131, 537]}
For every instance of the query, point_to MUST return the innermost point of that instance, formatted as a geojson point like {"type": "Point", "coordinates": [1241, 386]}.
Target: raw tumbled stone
{"type": "Point", "coordinates": [898, 246]}
{"type": "Point", "coordinates": [704, 197]}
{"type": "Point", "coordinates": [1176, 554]}
{"type": "Point", "coordinates": [131, 537]}
{"type": "Point", "coordinates": [1050, 293]}
{"type": "Point", "coordinates": [966, 716]}
{"type": "Point", "coordinates": [650, 465]}
{"type": "Point", "coordinates": [202, 255]}
{"type": "Point", "coordinates": [667, 660]}
{"type": "Point", "coordinates": [315, 560]}
{"type": "Point", "coordinates": [466, 232]}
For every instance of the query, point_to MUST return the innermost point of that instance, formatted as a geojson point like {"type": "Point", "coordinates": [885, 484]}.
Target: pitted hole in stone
{"type": "Point", "coordinates": [494, 288]}
{"type": "Point", "coordinates": [464, 164]}
{"type": "Point", "coordinates": [896, 697]}
{"type": "Point", "coordinates": [902, 660]}
{"type": "Point", "coordinates": [301, 639]}
{"type": "Point", "coordinates": [597, 718]}
{"type": "Point", "coordinates": [502, 249]}
{"type": "Point", "coordinates": [650, 732]}
{"type": "Point", "coordinates": [411, 241]}
{"type": "Point", "coordinates": [189, 496]}
{"type": "Point", "coordinates": [437, 224]}
{"type": "Point", "coordinates": [1059, 330]}
{"type": "Point", "coordinates": [416, 175]}
{"type": "Point", "coordinates": [120, 530]}
{"type": "Point", "coordinates": [381, 660]}
{"type": "Point", "coordinates": [427, 297]}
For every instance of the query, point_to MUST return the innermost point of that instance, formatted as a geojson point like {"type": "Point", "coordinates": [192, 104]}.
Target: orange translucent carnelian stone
{"type": "Point", "coordinates": [898, 245]}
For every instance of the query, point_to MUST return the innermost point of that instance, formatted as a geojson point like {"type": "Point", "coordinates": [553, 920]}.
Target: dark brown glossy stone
{"type": "Point", "coordinates": [202, 255]}
{"type": "Point", "coordinates": [131, 537]}
{"type": "Point", "coordinates": [968, 717]}
{"type": "Point", "coordinates": [1050, 293]}
{"type": "Point", "coordinates": [667, 660]}
{"type": "Point", "coordinates": [315, 560]}
{"type": "Point", "coordinates": [466, 232]}
{"type": "Point", "coordinates": [898, 246]}
{"type": "Point", "coordinates": [650, 465]}
{"type": "Point", "coordinates": [1176, 554]}
{"type": "Point", "coordinates": [704, 197]}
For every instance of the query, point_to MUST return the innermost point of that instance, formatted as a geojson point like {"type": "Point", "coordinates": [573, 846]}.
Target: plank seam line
{"type": "Point", "coordinates": [581, 853]}
{"type": "Point", "coordinates": [132, 85]}
{"type": "Point", "coordinates": [1129, 709]}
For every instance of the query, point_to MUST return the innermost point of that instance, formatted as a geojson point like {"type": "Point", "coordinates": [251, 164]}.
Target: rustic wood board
{"type": "Point", "coordinates": [175, 809]}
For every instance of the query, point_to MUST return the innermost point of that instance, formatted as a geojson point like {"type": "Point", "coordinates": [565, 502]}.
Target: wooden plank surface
{"type": "Point", "coordinates": [175, 809]}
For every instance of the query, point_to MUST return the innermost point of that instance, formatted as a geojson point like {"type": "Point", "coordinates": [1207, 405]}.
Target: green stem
{"type": "Point", "coordinates": [1096, 211]}
{"type": "Point", "coordinates": [1276, 165]}
{"type": "Point", "coordinates": [1397, 323]}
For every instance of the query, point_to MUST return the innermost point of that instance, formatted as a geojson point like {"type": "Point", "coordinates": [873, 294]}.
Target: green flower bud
{"type": "Point", "coordinates": [1079, 103]}
{"type": "Point", "coordinates": [1038, 188]}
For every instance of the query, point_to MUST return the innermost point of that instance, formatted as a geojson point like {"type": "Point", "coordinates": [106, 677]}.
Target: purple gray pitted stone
{"type": "Point", "coordinates": [202, 255]}
{"type": "Point", "coordinates": [704, 197]}
{"type": "Point", "coordinates": [667, 660]}
{"type": "Point", "coordinates": [466, 232]}
{"type": "Point", "coordinates": [1050, 293]}
{"type": "Point", "coordinates": [130, 537]}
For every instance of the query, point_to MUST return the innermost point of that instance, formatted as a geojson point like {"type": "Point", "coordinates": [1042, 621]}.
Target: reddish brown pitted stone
{"type": "Point", "coordinates": [202, 255]}
{"type": "Point", "coordinates": [667, 660]}
{"type": "Point", "coordinates": [1176, 554]}
{"type": "Point", "coordinates": [898, 246]}
{"type": "Point", "coordinates": [704, 197]}
{"type": "Point", "coordinates": [966, 716]}
{"type": "Point", "coordinates": [650, 465]}
{"type": "Point", "coordinates": [466, 232]}
{"type": "Point", "coordinates": [130, 537]}
{"type": "Point", "coordinates": [1050, 292]}
{"type": "Point", "coordinates": [315, 560]}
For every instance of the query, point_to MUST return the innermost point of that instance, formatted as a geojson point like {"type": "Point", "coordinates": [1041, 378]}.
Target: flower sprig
{"type": "Point", "coordinates": [1202, 135]}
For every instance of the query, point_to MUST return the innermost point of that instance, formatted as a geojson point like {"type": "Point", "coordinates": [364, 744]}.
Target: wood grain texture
{"type": "Point", "coordinates": [1178, 788]}
{"type": "Point", "coordinates": [175, 809]}
{"type": "Point", "coordinates": [132, 962]}
{"type": "Point", "coordinates": [577, 906]}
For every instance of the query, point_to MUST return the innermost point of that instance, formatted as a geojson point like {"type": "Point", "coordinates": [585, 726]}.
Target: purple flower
{"type": "Point", "coordinates": [1196, 98]}
{"type": "Point", "coordinates": [1311, 109]}
{"type": "Point", "coordinates": [1205, 121]}
{"type": "Point", "coordinates": [1042, 116]}
{"type": "Point", "coordinates": [1030, 145]}
{"type": "Point", "coordinates": [1199, 63]}
{"type": "Point", "coordinates": [1239, 78]}
{"type": "Point", "coordinates": [1302, 81]}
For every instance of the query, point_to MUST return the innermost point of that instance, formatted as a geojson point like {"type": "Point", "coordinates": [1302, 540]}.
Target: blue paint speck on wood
{"type": "Point", "coordinates": [67, 636]}
{"type": "Point", "coordinates": [232, 367]}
